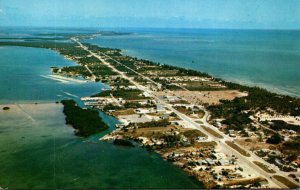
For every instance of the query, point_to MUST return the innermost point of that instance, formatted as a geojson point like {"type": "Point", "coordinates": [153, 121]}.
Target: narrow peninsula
{"type": "Point", "coordinates": [224, 134]}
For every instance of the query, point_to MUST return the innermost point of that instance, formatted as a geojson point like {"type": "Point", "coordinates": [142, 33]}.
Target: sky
{"type": "Point", "coordinates": [237, 14]}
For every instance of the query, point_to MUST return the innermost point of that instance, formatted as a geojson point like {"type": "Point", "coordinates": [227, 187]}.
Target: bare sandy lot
{"type": "Point", "coordinates": [254, 144]}
{"type": "Point", "coordinates": [209, 97]}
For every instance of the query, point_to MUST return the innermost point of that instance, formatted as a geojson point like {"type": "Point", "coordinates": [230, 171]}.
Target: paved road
{"type": "Point", "coordinates": [247, 162]}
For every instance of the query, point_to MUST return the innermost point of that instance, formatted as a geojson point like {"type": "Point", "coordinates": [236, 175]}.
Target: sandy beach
{"type": "Point", "coordinates": [63, 79]}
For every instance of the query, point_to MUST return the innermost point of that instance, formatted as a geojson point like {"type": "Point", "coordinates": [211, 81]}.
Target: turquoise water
{"type": "Point", "coordinates": [21, 77]}
{"type": "Point", "coordinates": [44, 153]}
{"type": "Point", "coordinates": [37, 149]}
{"type": "Point", "coordinates": [268, 59]}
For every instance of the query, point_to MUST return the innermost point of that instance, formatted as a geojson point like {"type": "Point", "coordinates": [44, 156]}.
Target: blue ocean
{"type": "Point", "coordinates": [264, 58]}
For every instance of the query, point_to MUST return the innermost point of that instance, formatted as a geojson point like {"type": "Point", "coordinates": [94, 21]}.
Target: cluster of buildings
{"type": "Point", "coordinates": [278, 159]}
{"type": "Point", "coordinates": [212, 166]}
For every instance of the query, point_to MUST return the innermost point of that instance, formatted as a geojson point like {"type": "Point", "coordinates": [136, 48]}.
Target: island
{"type": "Point", "coordinates": [86, 122]}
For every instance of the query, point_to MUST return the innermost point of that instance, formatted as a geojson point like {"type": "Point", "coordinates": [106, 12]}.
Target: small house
{"type": "Point", "coordinates": [160, 108]}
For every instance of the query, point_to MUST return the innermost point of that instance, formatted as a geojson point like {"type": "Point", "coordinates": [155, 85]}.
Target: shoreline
{"type": "Point", "coordinates": [134, 52]}
{"type": "Point", "coordinates": [21, 106]}
{"type": "Point", "coordinates": [123, 52]}
{"type": "Point", "coordinates": [248, 83]}
{"type": "Point", "coordinates": [190, 122]}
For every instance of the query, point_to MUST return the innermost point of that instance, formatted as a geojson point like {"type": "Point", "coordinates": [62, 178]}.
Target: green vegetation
{"type": "Point", "coordinates": [170, 86]}
{"type": "Point", "coordinates": [126, 94]}
{"type": "Point", "coordinates": [236, 121]}
{"type": "Point", "coordinates": [129, 62]}
{"type": "Point", "coordinates": [236, 112]}
{"type": "Point", "coordinates": [203, 88]}
{"type": "Point", "coordinates": [211, 131]}
{"type": "Point", "coordinates": [121, 67]}
{"type": "Point", "coordinates": [261, 99]}
{"type": "Point", "coordinates": [98, 70]}
{"type": "Point", "coordinates": [76, 70]}
{"type": "Point", "coordinates": [237, 148]}
{"type": "Point", "coordinates": [69, 49]}
{"type": "Point", "coordinates": [120, 81]}
{"type": "Point", "coordinates": [286, 182]}
{"type": "Point", "coordinates": [274, 139]}
{"type": "Point", "coordinates": [28, 39]}
{"type": "Point", "coordinates": [86, 122]}
{"type": "Point", "coordinates": [132, 105]}
{"type": "Point", "coordinates": [6, 108]}
{"type": "Point", "coordinates": [111, 107]}
{"type": "Point", "coordinates": [88, 60]}
{"type": "Point", "coordinates": [245, 183]}
{"type": "Point", "coordinates": [127, 105]}
{"type": "Point", "coordinates": [107, 51]}
{"type": "Point", "coordinates": [171, 140]}
{"type": "Point", "coordinates": [279, 125]}
{"type": "Point", "coordinates": [123, 142]}
{"type": "Point", "coordinates": [291, 146]}
{"type": "Point", "coordinates": [55, 69]}
{"type": "Point", "coordinates": [192, 134]}
{"type": "Point", "coordinates": [185, 72]}
{"type": "Point", "coordinates": [160, 123]}
{"type": "Point", "coordinates": [231, 111]}
{"type": "Point", "coordinates": [102, 70]}
{"type": "Point", "coordinates": [264, 167]}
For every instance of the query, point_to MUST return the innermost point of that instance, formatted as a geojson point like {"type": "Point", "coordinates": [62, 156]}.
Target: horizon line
{"type": "Point", "coordinates": [138, 27]}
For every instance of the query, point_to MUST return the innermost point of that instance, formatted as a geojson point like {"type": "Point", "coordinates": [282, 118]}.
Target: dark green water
{"type": "Point", "coordinates": [37, 150]}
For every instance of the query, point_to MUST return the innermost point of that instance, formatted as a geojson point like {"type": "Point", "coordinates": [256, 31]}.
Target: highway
{"type": "Point", "coordinates": [245, 162]}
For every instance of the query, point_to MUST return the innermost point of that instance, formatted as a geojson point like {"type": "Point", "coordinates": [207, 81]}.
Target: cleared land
{"type": "Point", "coordinates": [208, 97]}
{"type": "Point", "coordinates": [254, 144]}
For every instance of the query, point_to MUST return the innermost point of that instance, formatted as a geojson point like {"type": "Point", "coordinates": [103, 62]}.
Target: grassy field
{"type": "Point", "coordinates": [286, 181]}
{"type": "Point", "coordinates": [193, 133]}
{"type": "Point", "coordinates": [244, 181]}
{"type": "Point", "coordinates": [264, 167]}
{"type": "Point", "coordinates": [214, 133]}
{"type": "Point", "coordinates": [237, 148]}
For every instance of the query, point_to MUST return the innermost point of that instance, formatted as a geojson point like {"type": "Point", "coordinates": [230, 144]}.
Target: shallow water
{"type": "Point", "coordinates": [37, 149]}
{"type": "Point", "coordinates": [21, 77]}
{"type": "Point", "coordinates": [42, 152]}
